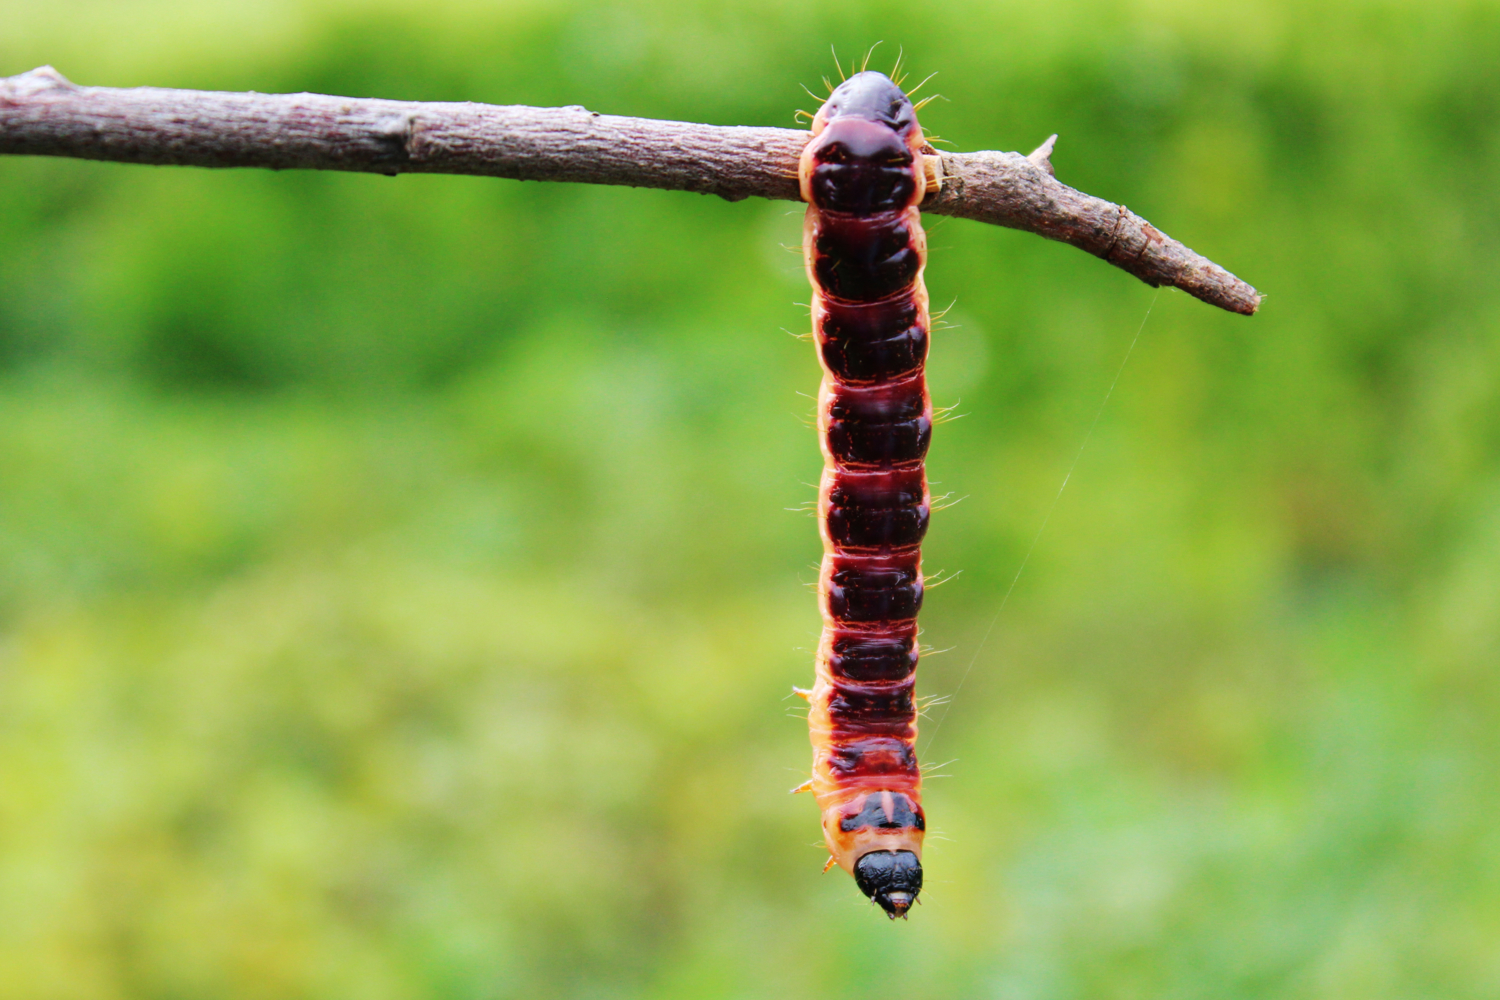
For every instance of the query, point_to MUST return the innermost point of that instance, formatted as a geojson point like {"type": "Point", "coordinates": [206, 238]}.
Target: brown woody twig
{"type": "Point", "coordinates": [43, 114]}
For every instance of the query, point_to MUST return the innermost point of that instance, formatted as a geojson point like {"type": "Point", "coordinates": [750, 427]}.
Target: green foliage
{"type": "Point", "coordinates": [398, 593]}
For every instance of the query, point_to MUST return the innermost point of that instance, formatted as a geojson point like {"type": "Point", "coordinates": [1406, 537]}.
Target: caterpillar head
{"type": "Point", "coordinates": [891, 878]}
{"type": "Point", "coordinates": [877, 838]}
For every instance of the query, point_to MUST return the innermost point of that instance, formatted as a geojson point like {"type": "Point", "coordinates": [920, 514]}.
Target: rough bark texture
{"type": "Point", "coordinates": [43, 114]}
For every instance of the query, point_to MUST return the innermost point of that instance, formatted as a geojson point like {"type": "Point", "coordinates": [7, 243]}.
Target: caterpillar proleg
{"type": "Point", "coordinates": [863, 174]}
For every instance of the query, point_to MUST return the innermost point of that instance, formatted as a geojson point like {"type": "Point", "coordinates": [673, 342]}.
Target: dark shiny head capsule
{"type": "Point", "coordinates": [891, 878]}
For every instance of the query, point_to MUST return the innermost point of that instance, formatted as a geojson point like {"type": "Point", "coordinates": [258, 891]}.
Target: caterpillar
{"type": "Point", "coordinates": [863, 173]}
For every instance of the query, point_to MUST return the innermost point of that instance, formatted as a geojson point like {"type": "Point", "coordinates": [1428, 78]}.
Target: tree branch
{"type": "Point", "coordinates": [45, 115]}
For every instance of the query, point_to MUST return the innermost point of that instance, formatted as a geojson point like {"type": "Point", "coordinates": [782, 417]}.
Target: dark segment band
{"type": "Point", "coordinates": [864, 258]}
{"type": "Point", "coordinates": [885, 810]}
{"type": "Point", "coordinates": [864, 657]}
{"type": "Point", "coordinates": [871, 342]}
{"type": "Point", "coordinates": [880, 508]}
{"type": "Point", "coordinates": [884, 424]}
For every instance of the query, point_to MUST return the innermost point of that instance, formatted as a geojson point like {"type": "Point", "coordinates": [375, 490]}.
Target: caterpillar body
{"type": "Point", "coordinates": [863, 174]}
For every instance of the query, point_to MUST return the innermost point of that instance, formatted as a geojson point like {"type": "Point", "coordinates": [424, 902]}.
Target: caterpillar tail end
{"type": "Point", "coordinates": [891, 878]}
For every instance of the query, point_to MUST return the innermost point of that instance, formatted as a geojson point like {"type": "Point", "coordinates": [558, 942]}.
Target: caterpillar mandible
{"type": "Point", "coordinates": [863, 174]}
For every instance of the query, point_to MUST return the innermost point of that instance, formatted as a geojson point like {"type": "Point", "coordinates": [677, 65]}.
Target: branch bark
{"type": "Point", "coordinates": [43, 114]}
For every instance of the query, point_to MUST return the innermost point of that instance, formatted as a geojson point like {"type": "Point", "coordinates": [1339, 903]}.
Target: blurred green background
{"type": "Point", "coordinates": [398, 593]}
